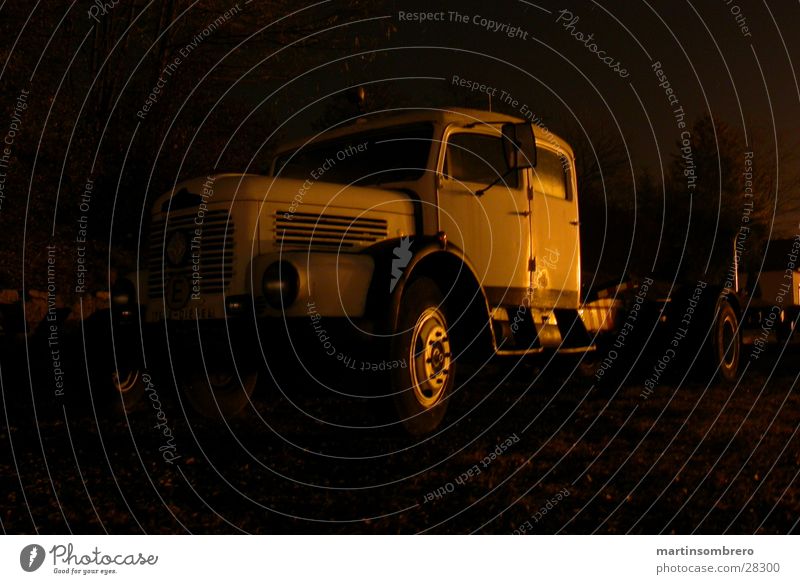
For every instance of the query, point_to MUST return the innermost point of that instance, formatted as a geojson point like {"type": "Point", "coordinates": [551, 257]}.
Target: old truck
{"type": "Point", "coordinates": [428, 235]}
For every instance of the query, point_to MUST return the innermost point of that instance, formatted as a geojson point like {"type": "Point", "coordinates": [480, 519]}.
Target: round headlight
{"type": "Point", "coordinates": [280, 284]}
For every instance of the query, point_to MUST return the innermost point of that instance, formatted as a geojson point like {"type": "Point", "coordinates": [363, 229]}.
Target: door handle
{"type": "Point", "coordinates": [521, 213]}
{"type": "Point", "coordinates": [575, 222]}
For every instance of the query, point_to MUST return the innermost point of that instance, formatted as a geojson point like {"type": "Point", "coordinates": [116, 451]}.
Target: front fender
{"type": "Point", "coordinates": [335, 283]}
{"type": "Point", "coordinates": [392, 274]}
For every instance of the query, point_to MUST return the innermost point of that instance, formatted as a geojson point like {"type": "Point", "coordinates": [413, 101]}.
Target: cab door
{"type": "Point", "coordinates": [492, 228]}
{"type": "Point", "coordinates": [556, 235]}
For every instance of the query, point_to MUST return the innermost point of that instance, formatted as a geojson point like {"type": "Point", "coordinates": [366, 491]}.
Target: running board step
{"type": "Point", "coordinates": [518, 329]}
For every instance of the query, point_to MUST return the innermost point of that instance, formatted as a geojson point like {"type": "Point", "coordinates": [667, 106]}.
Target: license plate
{"type": "Point", "coordinates": [188, 313]}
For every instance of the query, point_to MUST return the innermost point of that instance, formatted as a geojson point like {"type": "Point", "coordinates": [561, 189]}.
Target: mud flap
{"type": "Point", "coordinates": [573, 332]}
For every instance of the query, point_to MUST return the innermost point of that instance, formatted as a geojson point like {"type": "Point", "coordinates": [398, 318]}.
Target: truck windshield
{"type": "Point", "coordinates": [368, 158]}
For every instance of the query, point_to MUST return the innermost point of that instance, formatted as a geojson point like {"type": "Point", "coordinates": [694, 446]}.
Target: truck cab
{"type": "Point", "coordinates": [433, 234]}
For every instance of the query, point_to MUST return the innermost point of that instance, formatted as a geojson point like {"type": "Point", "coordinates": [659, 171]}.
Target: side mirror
{"type": "Point", "coordinates": [519, 145]}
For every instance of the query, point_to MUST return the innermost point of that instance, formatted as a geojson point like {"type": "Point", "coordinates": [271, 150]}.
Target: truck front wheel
{"type": "Point", "coordinates": [220, 389]}
{"type": "Point", "coordinates": [422, 388]}
{"type": "Point", "coordinates": [726, 342]}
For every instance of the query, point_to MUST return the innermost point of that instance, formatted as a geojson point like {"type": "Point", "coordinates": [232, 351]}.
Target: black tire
{"type": "Point", "coordinates": [422, 389]}
{"type": "Point", "coordinates": [726, 343]}
{"type": "Point", "coordinates": [127, 388]}
{"type": "Point", "coordinates": [220, 390]}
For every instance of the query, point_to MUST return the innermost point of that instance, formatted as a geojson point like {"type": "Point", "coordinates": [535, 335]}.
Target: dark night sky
{"type": "Point", "coordinates": [711, 64]}
{"type": "Point", "coordinates": [742, 77]}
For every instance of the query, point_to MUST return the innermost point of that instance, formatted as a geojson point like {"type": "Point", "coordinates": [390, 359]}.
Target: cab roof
{"type": "Point", "coordinates": [440, 116]}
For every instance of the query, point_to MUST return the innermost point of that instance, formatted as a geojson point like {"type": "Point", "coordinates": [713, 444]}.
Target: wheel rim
{"type": "Point", "coordinates": [221, 381]}
{"type": "Point", "coordinates": [430, 358]}
{"type": "Point", "coordinates": [125, 382]}
{"type": "Point", "coordinates": [729, 347]}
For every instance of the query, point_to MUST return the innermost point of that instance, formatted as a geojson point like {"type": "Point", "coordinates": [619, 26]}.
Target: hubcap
{"type": "Point", "coordinates": [430, 359]}
{"type": "Point", "coordinates": [124, 380]}
{"type": "Point", "coordinates": [221, 380]}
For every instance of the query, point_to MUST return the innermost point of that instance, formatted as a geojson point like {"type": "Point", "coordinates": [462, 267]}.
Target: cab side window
{"type": "Point", "coordinates": [552, 175]}
{"type": "Point", "coordinates": [477, 158]}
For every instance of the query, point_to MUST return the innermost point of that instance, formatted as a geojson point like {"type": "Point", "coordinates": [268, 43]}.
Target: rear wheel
{"type": "Point", "coordinates": [787, 326]}
{"type": "Point", "coordinates": [726, 343]}
{"type": "Point", "coordinates": [423, 385]}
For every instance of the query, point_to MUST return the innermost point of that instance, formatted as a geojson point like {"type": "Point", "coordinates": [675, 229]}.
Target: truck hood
{"type": "Point", "coordinates": [296, 193]}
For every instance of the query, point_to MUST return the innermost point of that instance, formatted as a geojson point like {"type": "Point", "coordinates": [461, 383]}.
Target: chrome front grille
{"type": "Point", "coordinates": [213, 247]}
{"type": "Point", "coordinates": [326, 231]}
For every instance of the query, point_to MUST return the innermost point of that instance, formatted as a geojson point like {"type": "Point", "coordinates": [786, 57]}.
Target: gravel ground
{"type": "Point", "coordinates": [536, 450]}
